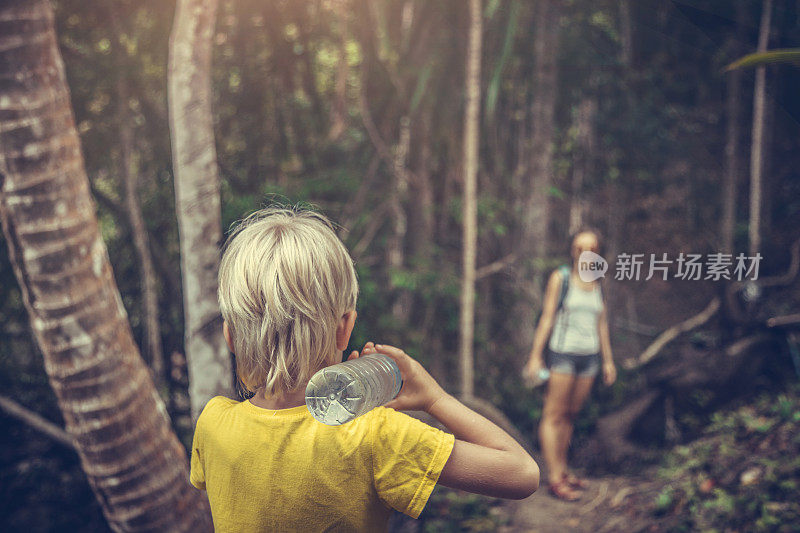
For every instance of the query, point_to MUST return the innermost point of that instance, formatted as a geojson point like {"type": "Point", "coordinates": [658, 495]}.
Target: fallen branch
{"type": "Point", "coordinates": [617, 500]}
{"type": "Point", "coordinates": [592, 505]}
{"type": "Point", "coordinates": [786, 320]}
{"type": "Point", "coordinates": [354, 207]}
{"type": "Point", "coordinates": [497, 266]}
{"type": "Point", "coordinates": [375, 223]}
{"type": "Point", "coordinates": [383, 149]}
{"type": "Point", "coordinates": [731, 301]}
{"type": "Point", "coordinates": [35, 421]}
{"type": "Point", "coordinates": [670, 334]}
{"type": "Point", "coordinates": [636, 327]}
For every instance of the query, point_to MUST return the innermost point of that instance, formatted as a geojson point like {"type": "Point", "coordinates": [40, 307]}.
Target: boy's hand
{"type": "Point", "coordinates": [420, 391]}
{"type": "Point", "coordinates": [368, 348]}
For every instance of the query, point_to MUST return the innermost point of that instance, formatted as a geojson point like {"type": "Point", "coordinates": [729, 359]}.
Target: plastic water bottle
{"type": "Point", "coordinates": [339, 393]}
{"type": "Point", "coordinates": [543, 375]}
{"type": "Point", "coordinates": [539, 379]}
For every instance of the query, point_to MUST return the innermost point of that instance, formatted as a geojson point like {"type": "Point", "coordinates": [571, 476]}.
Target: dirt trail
{"type": "Point", "coordinates": [608, 504]}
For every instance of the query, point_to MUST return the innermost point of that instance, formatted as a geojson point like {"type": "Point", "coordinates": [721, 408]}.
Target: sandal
{"type": "Point", "coordinates": [562, 491]}
{"type": "Point", "coordinates": [574, 481]}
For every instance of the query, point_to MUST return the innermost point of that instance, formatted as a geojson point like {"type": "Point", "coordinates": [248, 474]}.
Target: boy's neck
{"type": "Point", "coordinates": [291, 399]}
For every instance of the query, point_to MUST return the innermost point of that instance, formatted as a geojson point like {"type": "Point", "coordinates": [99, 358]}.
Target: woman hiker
{"type": "Point", "coordinates": [575, 322]}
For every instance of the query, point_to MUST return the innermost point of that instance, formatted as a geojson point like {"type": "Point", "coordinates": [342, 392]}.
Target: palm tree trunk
{"type": "Point", "coordinates": [133, 460]}
{"type": "Point", "coordinates": [470, 222]}
{"type": "Point", "coordinates": [197, 195]}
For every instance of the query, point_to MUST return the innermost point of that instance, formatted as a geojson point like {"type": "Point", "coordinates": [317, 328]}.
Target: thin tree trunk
{"type": "Point", "coordinates": [470, 211]}
{"type": "Point", "coordinates": [534, 224]}
{"type": "Point", "coordinates": [197, 195]}
{"type": "Point", "coordinates": [757, 143]}
{"type": "Point", "coordinates": [135, 465]}
{"type": "Point", "coordinates": [421, 222]}
{"type": "Point", "coordinates": [130, 170]}
{"type": "Point", "coordinates": [338, 118]}
{"type": "Point", "coordinates": [395, 249]}
{"type": "Point", "coordinates": [129, 166]}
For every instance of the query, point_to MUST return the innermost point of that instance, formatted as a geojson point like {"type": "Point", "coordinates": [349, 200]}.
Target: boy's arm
{"type": "Point", "coordinates": [485, 459]}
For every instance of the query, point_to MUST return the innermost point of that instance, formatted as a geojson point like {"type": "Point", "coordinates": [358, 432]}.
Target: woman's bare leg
{"type": "Point", "coordinates": [580, 390]}
{"type": "Point", "coordinates": [554, 423]}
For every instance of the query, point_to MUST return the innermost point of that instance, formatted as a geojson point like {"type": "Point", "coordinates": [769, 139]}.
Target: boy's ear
{"type": "Point", "coordinates": [344, 329]}
{"type": "Point", "coordinates": [227, 334]}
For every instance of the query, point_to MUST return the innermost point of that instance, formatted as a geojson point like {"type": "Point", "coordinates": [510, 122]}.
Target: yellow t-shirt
{"type": "Point", "coordinates": [281, 470]}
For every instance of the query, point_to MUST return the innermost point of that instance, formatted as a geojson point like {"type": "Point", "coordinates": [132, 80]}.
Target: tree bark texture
{"type": "Point", "coordinates": [584, 162]}
{"type": "Point", "coordinates": [538, 178]}
{"type": "Point", "coordinates": [470, 208]}
{"type": "Point", "coordinates": [197, 197]}
{"type": "Point", "coordinates": [133, 460]}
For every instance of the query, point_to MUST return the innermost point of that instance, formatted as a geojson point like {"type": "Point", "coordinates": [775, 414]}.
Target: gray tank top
{"type": "Point", "coordinates": [575, 328]}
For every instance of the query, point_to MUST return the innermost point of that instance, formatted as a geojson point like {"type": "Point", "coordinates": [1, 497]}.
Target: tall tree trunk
{"type": "Point", "coordinates": [470, 207]}
{"type": "Point", "coordinates": [584, 162]}
{"type": "Point", "coordinates": [534, 224]}
{"type": "Point", "coordinates": [616, 192]}
{"type": "Point", "coordinates": [732, 134]}
{"type": "Point", "coordinates": [130, 169]}
{"type": "Point", "coordinates": [757, 142]}
{"type": "Point", "coordinates": [134, 463]}
{"type": "Point", "coordinates": [197, 196]}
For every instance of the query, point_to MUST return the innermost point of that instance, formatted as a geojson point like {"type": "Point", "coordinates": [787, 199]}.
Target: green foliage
{"type": "Point", "coordinates": [791, 56]}
{"type": "Point", "coordinates": [493, 89]}
{"type": "Point", "coordinates": [743, 471]}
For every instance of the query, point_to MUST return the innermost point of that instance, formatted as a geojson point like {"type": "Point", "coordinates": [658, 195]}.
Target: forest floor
{"type": "Point", "coordinates": [610, 503]}
{"type": "Point", "coordinates": [742, 473]}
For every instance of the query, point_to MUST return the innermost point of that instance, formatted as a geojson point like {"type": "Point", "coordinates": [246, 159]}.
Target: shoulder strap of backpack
{"type": "Point", "coordinates": [564, 271]}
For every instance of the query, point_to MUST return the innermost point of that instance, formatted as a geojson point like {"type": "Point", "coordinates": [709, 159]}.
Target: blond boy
{"type": "Point", "coordinates": [287, 291]}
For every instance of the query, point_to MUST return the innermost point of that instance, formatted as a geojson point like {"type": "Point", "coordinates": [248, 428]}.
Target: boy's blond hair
{"type": "Point", "coordinates": [285, 281]}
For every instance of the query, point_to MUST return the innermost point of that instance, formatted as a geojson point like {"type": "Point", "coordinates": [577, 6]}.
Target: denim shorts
{"type": "Point", "coordinates": [582, 366]}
